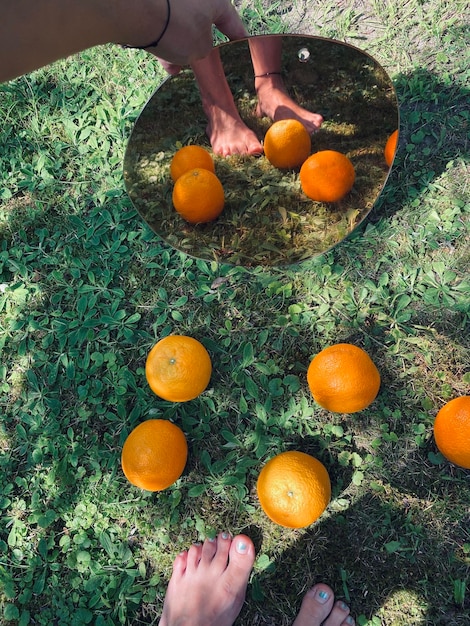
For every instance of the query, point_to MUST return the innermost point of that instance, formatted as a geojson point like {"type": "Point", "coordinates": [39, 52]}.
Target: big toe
{"type": "Point", "coordinates": [254, 148]}
{"type": "Point", "coordinates": [316, 606]}
{"type": "Point", "coordinates": [241, 559]}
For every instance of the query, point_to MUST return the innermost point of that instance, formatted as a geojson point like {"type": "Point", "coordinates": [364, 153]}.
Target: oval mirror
{"type": "Point", "coordinates": [267, 219]}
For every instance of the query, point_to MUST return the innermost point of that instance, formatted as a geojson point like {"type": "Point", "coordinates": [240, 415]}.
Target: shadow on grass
{"type": "Point", "coordinates": [434, 124]}
{"type": "Point", "coordinates": [389, 554]}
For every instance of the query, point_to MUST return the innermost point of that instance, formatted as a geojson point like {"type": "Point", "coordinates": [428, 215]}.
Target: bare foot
{"type": "Point", "coordinates": [229, 135]}
{"type": "Point", "coordinates": [275, 102]}
{"type": "Point", "coordinates": [319, 608]}
{"type": "Point", "coordinates": [208, 584]}
{"type": "Point", "coordinates": [226, 130]}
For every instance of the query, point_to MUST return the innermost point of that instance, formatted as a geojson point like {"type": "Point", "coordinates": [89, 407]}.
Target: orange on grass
{"type": "Point", "coordinates": [198, 196]}
{"type": "Point", "coordinates": [189, 157]}
{"type": "Point", "coordinates": [154, 455]}
{"type": "Point", "coordinates": [391, 148]}
{"type": "Point", "coordinates": [343, 378]}
{"type": "Point", "coordinates": [287, 144]}
{"type": "Point", "coordinates": [178, 368]}
{"type": "Point", "coordinates": [293, 489]}
{"type": "Point", "coordinates": [327, 176]}
{"type": "Point", "coordinates": [452, 431]}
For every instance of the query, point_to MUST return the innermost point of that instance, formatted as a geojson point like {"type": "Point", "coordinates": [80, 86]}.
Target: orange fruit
{"type": "Point", "coordinates": [178, 368]}
{"type": "Point", "coordinates": [154, 455]}
{"type": "Point", "coordinates": [343, 378]}
{"type": "Point", "coordinates": [198, 196]}
{"type": "Point", "coordinates": [327, 176]}
{"type": "Point", "coordinates": [391, 148]}
{"type": "Point", "coordinates": [293, 489]}
{"type": "Point", "coordinates": [452, 431]}
{"type": "Point", "coordinates": [189, 157]}
{"type": "Point", "coordinates": [287, 144]}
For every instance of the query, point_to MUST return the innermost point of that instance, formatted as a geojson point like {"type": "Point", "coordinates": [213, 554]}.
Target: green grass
{"type": "Point", "coordinates": [86, 289]}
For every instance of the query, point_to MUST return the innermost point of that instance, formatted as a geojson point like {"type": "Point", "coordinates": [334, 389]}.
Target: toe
{"type": "Point", "coordinates": [339, 615]}
{"type": "Point", "coordinates": [237, 572]}
{"type": "Point", "coordinates": [255, 149]}
{"type": "Point", "coordinates": [179, 564]}
{"type": "Point", "coordinates": [209, 548]}
{"type": "Point", "coordinates": [241, 558]}
{"type": "Point", "coordinates": [316, 606]}
{"type": "Point", "coordinates": [223, 543]}
{"type": "Point", "coordinates": [194, 556]}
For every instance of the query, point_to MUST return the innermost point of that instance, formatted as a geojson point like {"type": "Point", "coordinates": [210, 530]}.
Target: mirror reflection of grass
{"type": "Point", "coordinates": [267, 220]}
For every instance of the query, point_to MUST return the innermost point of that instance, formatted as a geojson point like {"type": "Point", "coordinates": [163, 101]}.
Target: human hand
{"type": "Point", "coordinates": [189, 33]}
{"type": "Point", "coordinates": [33, 34]}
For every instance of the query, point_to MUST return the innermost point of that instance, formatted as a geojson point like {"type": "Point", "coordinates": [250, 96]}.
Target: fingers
{"type": "Point", "coordinates": [189, 34]}
{"type": "Point", "coordinates": [230, 24]}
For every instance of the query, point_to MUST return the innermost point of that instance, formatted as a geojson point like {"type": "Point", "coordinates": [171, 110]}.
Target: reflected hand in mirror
{"type": "Point", "coordinates": [334, 89]}
{"type": "Point", "coordinates": [227, 132]}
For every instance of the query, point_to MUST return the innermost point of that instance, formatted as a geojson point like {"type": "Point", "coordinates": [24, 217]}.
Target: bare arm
{"type": "Point", "coordinates": [34, 33]}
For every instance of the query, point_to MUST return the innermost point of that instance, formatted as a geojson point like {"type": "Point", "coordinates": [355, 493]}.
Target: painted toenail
{"type": "Point", "coordinates": [322, 596]}
{"type": "Point", "coordinates": [225, 535]}
{"type": "Point", "coordinates": [242, 547]}
{"type": "Point", "coordinates": [211, 539]}
{"type": "Point", "coordinates": [343, 606]}
{"type": "Point", "coordinates": [349, 620]}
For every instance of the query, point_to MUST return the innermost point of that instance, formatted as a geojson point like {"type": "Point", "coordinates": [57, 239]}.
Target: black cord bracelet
{"type": "Point", "coordinates": [266, 74]}
{"type": "Point", "coordinates": [155, 43]}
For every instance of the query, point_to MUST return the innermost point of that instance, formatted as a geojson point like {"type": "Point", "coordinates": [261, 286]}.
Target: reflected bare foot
{"type": "Point", "coordinates": [208, 584]}
{"type": "Point", "coordinates": [319, 609]}
{"type": "Point", "coordinates": [228, 134]}
{"type": "Point", "coordinates": [275, 102]}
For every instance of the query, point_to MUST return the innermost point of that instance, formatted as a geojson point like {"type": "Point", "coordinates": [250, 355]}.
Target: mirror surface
{"type": "Point", "coordinates": [267, 220]}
